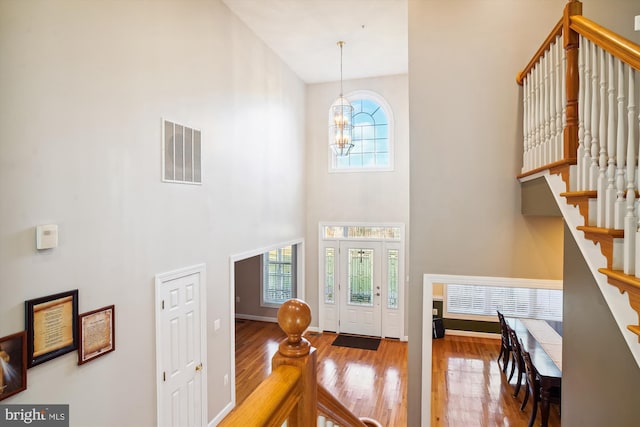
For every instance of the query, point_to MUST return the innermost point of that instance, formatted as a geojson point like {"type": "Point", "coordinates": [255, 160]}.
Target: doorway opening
{"type": "Point", "coordinates": [361, 271]}
{"type": "Point", "coordinates": [260, 281]}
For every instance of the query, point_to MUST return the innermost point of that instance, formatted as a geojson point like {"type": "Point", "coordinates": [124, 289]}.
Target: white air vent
{"type": "Point", "coordinates": [181, 159]}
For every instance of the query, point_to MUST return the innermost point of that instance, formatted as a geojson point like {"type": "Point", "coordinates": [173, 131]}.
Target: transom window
{"type": "Point", "coordinates": [372, 136]}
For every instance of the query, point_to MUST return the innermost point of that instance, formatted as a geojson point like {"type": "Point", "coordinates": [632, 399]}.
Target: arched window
{"type": "Point", "coordinates": [372, 135]}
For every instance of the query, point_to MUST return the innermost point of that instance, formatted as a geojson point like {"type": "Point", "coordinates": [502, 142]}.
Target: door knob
{"type": "Point", "coordinates": [377, 294]}
{"type": "Point", "coordinates": [199, 367]}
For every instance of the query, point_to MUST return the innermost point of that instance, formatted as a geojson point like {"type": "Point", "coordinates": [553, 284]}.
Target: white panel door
{"type": "Point", "coordinates": [360, 288]}
{"type": "Point", "coordinates": [181, 399]}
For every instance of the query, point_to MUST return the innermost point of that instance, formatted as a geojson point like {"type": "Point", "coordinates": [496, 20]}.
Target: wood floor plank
{"type": "Point", "coordinates": [468, 389]}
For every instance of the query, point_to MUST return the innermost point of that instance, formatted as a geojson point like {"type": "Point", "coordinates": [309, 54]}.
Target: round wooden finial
{"type": "Point", "coordinates": [294, 317]}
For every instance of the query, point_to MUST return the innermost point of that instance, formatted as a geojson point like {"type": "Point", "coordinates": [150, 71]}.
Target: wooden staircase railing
{"type": "Point", "coordinates": [291, 393]}
{"type": "Point", "coordinates": [581, 121]}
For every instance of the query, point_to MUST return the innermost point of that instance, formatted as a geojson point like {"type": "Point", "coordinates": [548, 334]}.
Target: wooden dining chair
{"type": "Point", "coordinates": [533, 385]}
{"type": "Point", "coordinates": [517, 361]}
{"type": "Point", "coordinates": [505, 346]}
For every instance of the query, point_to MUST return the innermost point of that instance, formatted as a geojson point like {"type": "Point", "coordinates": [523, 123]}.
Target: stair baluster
{"type": "Point", "coordinates": [610, 196]}
{"type": "Point", "coordinates": [581, 184]}
{"type": "Point", "coordinates": [595, 133]}
{"type": "Point", "coordinates": [548, 150]}
{"type": "Point", "coordinates": [620, 208]}
{"type": "Point", "coordinates": [554, 92]}
{"type": "Point", "coordinates": [602, 135]}
{"type": "Point", "coordinates": [630, 220]}
{"type": "Point", "coordinates": [538, 115]}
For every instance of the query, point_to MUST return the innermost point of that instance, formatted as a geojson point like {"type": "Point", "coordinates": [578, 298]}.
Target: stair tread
{"type": "Point", "coordinates": [587, 193]}
{"type": "Point", "coordinates": [631, 281]}
{"type": "Point", "coordinates": [613, 232]}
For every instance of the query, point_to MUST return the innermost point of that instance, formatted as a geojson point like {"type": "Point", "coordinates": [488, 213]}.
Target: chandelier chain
{"type": "Point", "coordinates": [341, 43]}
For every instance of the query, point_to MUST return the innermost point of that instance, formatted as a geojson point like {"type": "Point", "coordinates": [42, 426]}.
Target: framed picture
{"type": "Point", "coordinates": [97, 333]}
{"type": "Point", "coordinates": [51, 326]}
{"type": "Point", "coordinates": [13, 364]}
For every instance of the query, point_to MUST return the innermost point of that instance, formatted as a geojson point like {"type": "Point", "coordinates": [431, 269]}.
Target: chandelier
{"type": "Point", "coordinates": [340, 122]}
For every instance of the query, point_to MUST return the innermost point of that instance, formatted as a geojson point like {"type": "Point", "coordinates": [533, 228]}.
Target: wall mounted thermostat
{"type": "Point", "coordinates": [46, 236]}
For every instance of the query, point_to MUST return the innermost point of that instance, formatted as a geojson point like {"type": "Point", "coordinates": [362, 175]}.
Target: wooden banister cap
{"type": "Point", "coordinates": [294, 317]}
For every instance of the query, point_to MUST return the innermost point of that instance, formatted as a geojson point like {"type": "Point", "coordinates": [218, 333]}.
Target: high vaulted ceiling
{"type": "Point", "coordinates": [304, 33]}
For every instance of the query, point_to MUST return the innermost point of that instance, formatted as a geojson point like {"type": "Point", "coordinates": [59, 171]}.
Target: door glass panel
{"type": "Point", "coordinates": [360, 289]}
{"type": "Point", "coordinates": [329, 279]}
{"type": "Point", "coordinates": [392, 278]}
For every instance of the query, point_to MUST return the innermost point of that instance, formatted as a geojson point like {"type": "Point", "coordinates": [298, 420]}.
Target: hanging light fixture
{"type": "Point", "coordinates": [340, 122]}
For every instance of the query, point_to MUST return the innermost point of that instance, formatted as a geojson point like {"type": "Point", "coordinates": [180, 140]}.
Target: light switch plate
{"type": "Point", "coordinates": [46, 236]}
{"type": "Point", "coordinates": [637, 23]}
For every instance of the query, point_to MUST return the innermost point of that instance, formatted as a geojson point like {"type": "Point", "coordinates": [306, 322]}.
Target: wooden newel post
{"type": "Point", "coordinates": [294, 317]}
{"type": "Point", "coordinates": [571, 45]}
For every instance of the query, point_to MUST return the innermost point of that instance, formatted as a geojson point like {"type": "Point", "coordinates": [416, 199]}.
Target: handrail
{"type": "Point", "coordinates": [555, 32]}
{"type": "Point", "coordinates": [618, 46]}
{"type": "Point", "coordinates": [270, 404]}
{"type": "Point", "coordinates": [329, 405]}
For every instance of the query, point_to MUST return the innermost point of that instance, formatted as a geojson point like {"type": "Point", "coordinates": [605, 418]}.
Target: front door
{"type": "Point", "coordinates": [181, 349]}
{"type": "Point", "coordinates": [360, 283]}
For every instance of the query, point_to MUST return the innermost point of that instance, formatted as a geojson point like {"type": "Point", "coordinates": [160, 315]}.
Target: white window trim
{"type": "Point", "coordinates": [489, 281]}
{"type": "Point", "coordinates": [294, 267]}
{"type": "Point", "coordinates": [379, 99]}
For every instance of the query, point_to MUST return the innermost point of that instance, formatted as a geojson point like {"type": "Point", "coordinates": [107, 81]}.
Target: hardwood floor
{"type": "Point", "coordinates": [370, 383]}
{"type": "Point", "coordinates": [468, 389]}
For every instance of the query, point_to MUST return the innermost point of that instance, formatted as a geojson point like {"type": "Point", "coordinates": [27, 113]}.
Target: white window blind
{"type": "Point", "coordinates": [481, 302]}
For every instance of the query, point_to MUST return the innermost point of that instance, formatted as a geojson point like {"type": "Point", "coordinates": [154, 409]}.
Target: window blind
{"type": "Point", "coordinates": [480, 302]}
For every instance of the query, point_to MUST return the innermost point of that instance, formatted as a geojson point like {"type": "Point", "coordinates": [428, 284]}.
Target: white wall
{"type": "Point", "coordinates": [352, 197]}
{"type": "Point", "coordinates": [84, 86]}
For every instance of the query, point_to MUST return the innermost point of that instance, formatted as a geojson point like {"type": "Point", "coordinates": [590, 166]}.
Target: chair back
{"type": "Point", "coordinates": [532, 375]}
{"type": "Point", "coordinates": [516, 347]}
{"type": "Point", "coordinates": [504, 329]}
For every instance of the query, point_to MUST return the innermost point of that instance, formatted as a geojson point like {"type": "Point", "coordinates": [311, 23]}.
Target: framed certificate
{"type": "Point", "coordinates": [51, 326]}
{"type": "Point", "coordinates": [97, 333]}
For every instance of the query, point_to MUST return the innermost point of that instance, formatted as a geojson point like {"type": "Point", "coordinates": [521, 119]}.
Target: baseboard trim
{"type": "Point", "coordinates": [256, 318]}
{"type": "Point", "coordinates": [218, 418]}
{"type": "Point", "coordinates": [472, 334]}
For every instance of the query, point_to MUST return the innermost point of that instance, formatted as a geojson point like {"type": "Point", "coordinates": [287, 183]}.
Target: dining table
{"type": "Point", "coordinates": [543, 340]}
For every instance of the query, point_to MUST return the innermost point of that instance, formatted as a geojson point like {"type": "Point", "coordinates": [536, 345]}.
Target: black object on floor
{"type": "Point", "coordinates": [438, 327]}
{"type": "Point", "coordinates": [351, 341]}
